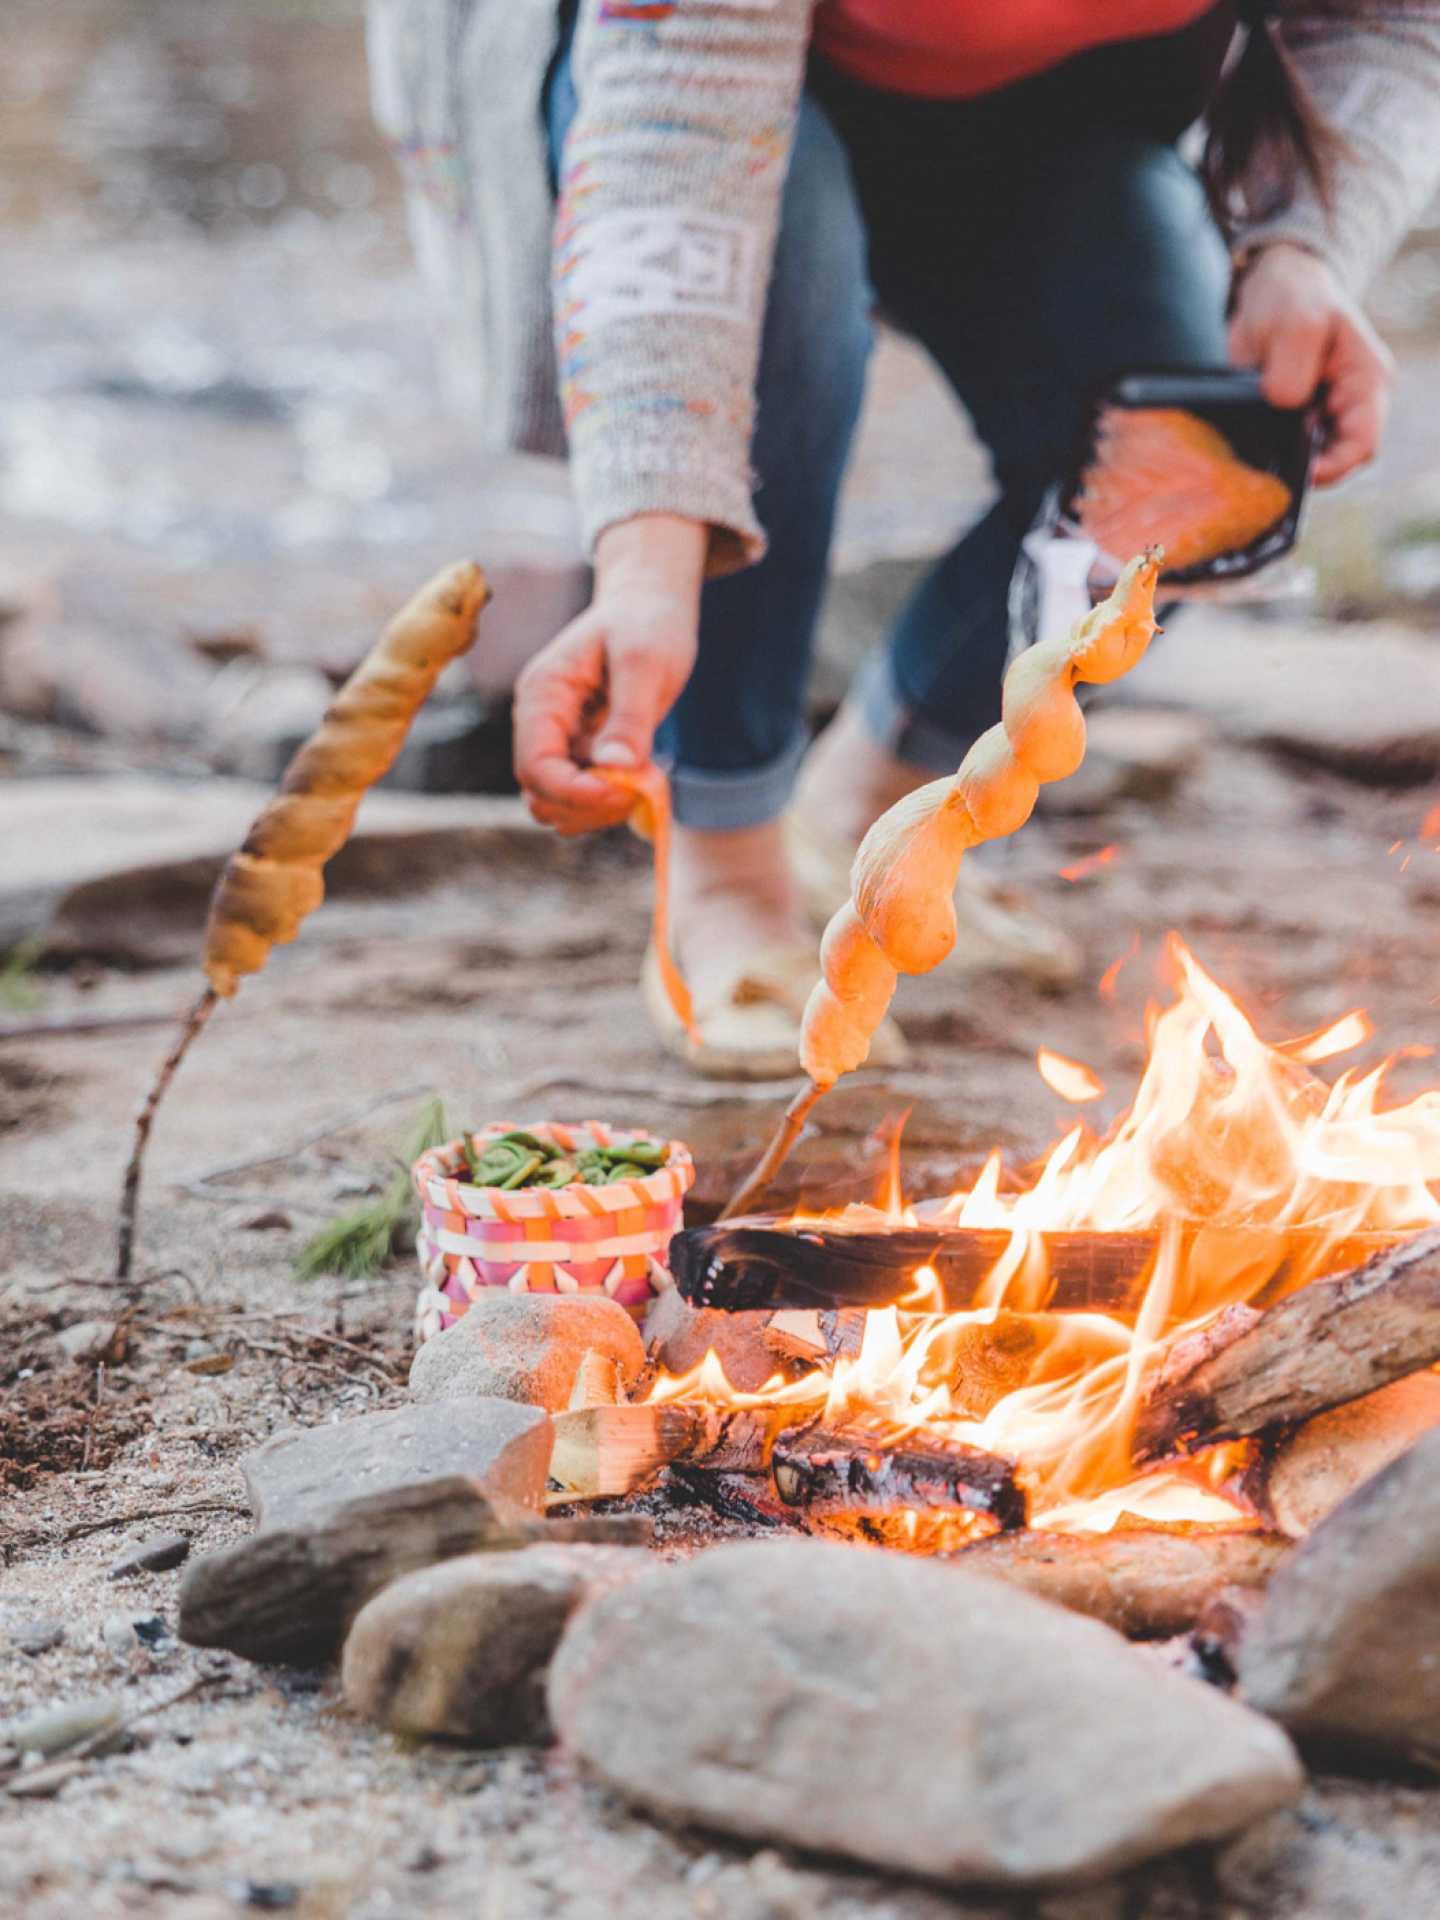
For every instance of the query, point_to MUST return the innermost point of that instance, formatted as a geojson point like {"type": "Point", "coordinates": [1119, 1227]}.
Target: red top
{"type": "Point", "coordinates": [955, 49]}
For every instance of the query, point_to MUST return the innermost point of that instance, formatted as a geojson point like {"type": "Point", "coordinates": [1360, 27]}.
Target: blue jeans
{"type": "Point", "coordinates": [1034, 252]}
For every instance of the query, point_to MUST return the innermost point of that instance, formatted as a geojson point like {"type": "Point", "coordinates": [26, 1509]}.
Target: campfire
{"type": "Point", "coordinates": [1112, 1344]}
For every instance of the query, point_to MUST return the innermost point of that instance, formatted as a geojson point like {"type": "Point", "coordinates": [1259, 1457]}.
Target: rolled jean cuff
{"type": "Point", "coordinates": [745, 798]}
{"type": "Point", "coordinates": [900, 728]}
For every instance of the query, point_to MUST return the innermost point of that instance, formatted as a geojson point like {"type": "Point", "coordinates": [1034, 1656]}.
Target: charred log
{"type": "Point", "coordinates": [742, 1265]}
{"type": "Point", "coordinates": [854, 1469]}
{"type": "Point", "coordinates": [1146, 1582]}
{"type": "Point", "coordinates": [1331, 1342]}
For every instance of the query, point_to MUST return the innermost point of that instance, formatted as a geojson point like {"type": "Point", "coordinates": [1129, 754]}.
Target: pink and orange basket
{"type": "Point", "coordinates": [578, 1239]}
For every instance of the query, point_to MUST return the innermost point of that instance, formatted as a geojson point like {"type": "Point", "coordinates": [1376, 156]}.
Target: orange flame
{"type": "Point", "coordinates": [1110, 979]}
{"type": "Point", "coordinates": [1071, 1079]}
{"type": "Point", "coordinates": [1256, 1177]}
{"type": "Point", "coordinates": [1430, 825]}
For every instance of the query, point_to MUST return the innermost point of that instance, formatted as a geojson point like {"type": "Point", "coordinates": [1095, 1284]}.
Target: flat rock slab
{"type": "Point", "coordinates": [1359, 700]}
{"type": "Point", "coordinates": [525, 1347]}
{"type": "Point", "coordinates": [302, 1478]}
{"type": "Point", "coordinates": [345, 1509]}
{"type": "Point", "coordinates": [1346, 1650]}
{"type": "Point", "coordinates": [78, 848]}
{"type": "Point", "coordinates": [906, 1714]}
{"type": "Point", "coordinates": [460, 1650]}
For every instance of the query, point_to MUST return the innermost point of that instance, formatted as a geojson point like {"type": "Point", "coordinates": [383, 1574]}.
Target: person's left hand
{"type": "Point", "coordinates": [1296, 323]}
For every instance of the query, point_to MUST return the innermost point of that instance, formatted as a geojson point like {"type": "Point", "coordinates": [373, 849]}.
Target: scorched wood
{"type": "Point", "coordinates": [1331, 1342]}
{"type": "Point", "coordinates": [1147, 1583]}
{"type": "Point", "coordinates": [852, 1469]}
{"type": "Point", "coordinates": [758, 1263]}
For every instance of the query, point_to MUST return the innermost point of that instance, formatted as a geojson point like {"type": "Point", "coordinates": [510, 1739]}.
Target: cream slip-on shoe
{"type": "Point", "coordinates": [750, 1026]}
{"type": "Point", "coordinates": [998, 931]}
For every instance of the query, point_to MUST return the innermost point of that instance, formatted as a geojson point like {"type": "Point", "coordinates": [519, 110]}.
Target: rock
{"type": "Point", "coordinates": [51, 1730]}
{"type": "Point", "coordinates": [1358, 700]}
{"type": "Point", "coordinates": [1325, 1460]}
{"type": "Point", "coordinates": [679, 1336]}
{"type": "Point", "coordinates": [1345, 1648]}
{"type": "Point", "coordinates": [905, 1713]}
{"type": "Point", "coordinates": [87, 1340]}
{"type": "Point", "coordinates": [123, 1633]}
{"type": "Point", "coordinates": [158, 1554]}
{"type": "Point", "coordinates": [524, 1347]}
{"type": "Point", "coordinates": [261, 714]}
{"type": "Point", "coordinates": [345, 1509]}
{"type": "Point", "coordinates": [124, 864]}
{"type": "Point", "coordinates": [270, 1220]}
{"type": "Point", "coordinates": [461, 1649]}
{"type": "Point", "coordinates": [37, 1636]}
{"type": "Point", "coordinates": [305, 1476]}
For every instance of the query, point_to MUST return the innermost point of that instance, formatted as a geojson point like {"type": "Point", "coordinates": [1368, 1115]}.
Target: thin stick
{"type": "Point", "coordinates": [778, 1151]}
{"type": "Point", "coordinates": [192, 1025]}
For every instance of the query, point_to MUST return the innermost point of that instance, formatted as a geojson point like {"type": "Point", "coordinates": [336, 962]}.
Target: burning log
{"type": "Point", "coordinates": [1333, 1341]}
{"type": "Point", "coordinates": [600, 1451]}
{"type": "Point", "coordinates": [813, 1338]}
{"type": "Point", "coordinates": [759, 1263]}
{"type": "Point", "coordinates": [1147, 1582]}
{"type": "Point", "coordinates": [1299, 1477]}
{"type": "Point", "coordinates": [852, 1469]}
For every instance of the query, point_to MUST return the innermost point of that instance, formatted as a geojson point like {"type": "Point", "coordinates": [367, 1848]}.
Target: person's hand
{"type": "Point", "coordinates": [596, 694]}
{"type": "Point", "coordinates": [1296, 323]}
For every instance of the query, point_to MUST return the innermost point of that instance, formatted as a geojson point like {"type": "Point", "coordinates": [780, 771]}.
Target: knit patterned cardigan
{"type": "Point", "coordinates": [646, 287]}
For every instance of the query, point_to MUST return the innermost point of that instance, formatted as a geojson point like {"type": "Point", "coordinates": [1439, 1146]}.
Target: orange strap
{"type": "Point", "coordinates": [650, 818]}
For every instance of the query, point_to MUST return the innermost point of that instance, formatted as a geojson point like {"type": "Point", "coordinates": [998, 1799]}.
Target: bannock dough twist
{"type": "Point", "coordinates": [274, 881]}
{"type": "Point", "coordinates": [900, 917]}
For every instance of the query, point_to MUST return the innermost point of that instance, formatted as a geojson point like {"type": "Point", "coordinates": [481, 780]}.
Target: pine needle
{"type": "Point", "coordinates": [357, 1244]}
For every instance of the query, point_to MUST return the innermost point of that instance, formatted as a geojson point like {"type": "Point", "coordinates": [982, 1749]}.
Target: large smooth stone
{"type": "Point", "coordinates": [1346, 1650]}
{"type": "Point", "coordinates": [461, 1649]}
{"type": "Point", "coordinates": [905, 1713]}
{"type": "Point", "coordinates": [525, 1347]}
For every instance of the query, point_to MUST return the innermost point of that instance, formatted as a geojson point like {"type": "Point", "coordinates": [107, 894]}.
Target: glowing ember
{"type": "Point", "coordinates": [1092, 863]}
{"type": "Point", "coordinates": [1110, 979]}
{"type": "Point", "coordinates": [1257, 1175]}
{"type": "Point", "coordinates": [1072, 1080]}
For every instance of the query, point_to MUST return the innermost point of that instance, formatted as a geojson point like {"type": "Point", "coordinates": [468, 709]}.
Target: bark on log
{"type": "Point", "coordinates": [1298, 1477]}
{"type": "Point", "coordinates": [742, 1265]}
{"type": "Point", "coordinates": [602, 1451]}
{"type": "Point", "coordinates": [1147, 1583]}
{"type": "Point", "coordinates": [853, 1469]}
{"type": "Point", "coordinates": [1331, 1342]}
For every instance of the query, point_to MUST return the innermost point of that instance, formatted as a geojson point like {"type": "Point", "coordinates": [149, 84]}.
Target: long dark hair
{"type": "Point", "coordinates": [1265, 132]}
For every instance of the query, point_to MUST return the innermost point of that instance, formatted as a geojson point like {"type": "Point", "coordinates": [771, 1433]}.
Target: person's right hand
{"type": "Point", "coordinates": [595, 695]}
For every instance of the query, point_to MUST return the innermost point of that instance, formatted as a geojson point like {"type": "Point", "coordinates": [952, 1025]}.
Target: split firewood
{"type": "Point", "coordinates": [603, 1451]}
{"type": "Point", "coordinates": [1333, 1341]}
{"type": "Point", "coordinates": [815, 1339]}
{"type": "Point", "coordinates": [758, 1263]}
{"type": "Point", "coordinates": [855, 1468]}
{"type": "Point", "coordinates": [1147, 1582]}
{"type": "Point", "coordinates": [901, 914]}
{"type": "Point", "coordinates": [274, 880]}
{"type": "Point", "coordinates": [1298, 1477]}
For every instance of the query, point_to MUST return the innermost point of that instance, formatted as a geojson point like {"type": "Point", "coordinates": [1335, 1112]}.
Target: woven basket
{"type": "Point", "coordinates": [578, 1239]}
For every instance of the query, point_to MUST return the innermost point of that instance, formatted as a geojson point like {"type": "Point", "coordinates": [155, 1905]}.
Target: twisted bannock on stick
{"type": "Point", "coordinates": [274, 881]}
{"type": "Point", "coordinates": [900, 917]}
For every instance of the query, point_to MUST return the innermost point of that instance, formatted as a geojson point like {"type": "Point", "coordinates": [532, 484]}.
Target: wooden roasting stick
{"type": "Point", "coordinates": [274, 880]}
{"type": "Point", "coordinates": [1329, 1343]}
{"type": "Point", "coordinates": [901, 914]}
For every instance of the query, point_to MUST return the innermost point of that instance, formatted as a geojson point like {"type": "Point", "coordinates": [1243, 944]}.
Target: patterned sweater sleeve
{"type": "Point", "coordinates": [664, 240]}
{"type": "Point", "coordinates": [1373, 70]}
